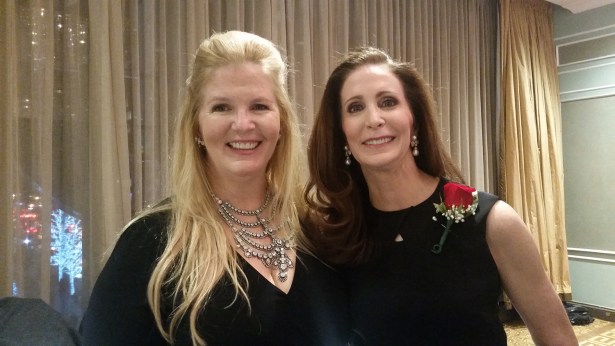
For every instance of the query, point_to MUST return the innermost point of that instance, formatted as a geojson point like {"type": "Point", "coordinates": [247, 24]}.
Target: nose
{"type": "Point", "coordinates": [243, 120]}
{"type": "Point", "coordinates": [374, 118]}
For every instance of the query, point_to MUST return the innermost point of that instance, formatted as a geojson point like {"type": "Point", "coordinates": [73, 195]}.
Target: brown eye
{"type": "Point", "coordinates": [354, 107]}
{"type": "Point", "coordinates": [388, 102]}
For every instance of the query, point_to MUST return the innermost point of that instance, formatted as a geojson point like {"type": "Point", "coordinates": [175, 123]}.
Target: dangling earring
{"type": "Point", "coordinates": [347, 153]}
{"type": "Point", "coordinates": [199, 142]}
{"type": "Point", "coordinates": [414, 144]}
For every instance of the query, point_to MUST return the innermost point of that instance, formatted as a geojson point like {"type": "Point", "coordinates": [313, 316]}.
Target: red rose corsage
{"type": "Point", "coordinates": [460, 201]}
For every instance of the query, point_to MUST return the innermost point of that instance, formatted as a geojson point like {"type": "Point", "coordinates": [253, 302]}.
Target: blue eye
{"type": "Point", "coordinates": [220, 108]}
{"type": "Point", "coordinates": [260, 107]}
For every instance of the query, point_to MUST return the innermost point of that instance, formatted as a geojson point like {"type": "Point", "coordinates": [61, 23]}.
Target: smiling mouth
{"type": "Point", "coordinates": [243, 145]}
{"type": "Point", "coordinates": [378, 141]}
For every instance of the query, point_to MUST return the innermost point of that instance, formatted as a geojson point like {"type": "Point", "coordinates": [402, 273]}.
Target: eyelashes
{"type": "Point", "coordinates": [386, 102]}
{"type": "Point", "coordinates": [389, 102]}
{"type": "Point", "coordinates": [220, 108]}
{"type": "Point", "coordinates": [223, 108]}
{"type": "Point", "coordinates": [354, 108]}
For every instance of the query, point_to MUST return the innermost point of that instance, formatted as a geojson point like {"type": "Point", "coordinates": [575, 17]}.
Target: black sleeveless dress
{"type": "Point", "coordinates": [314, 312]}
{"type": "Point", "coordinates": [408, 295]}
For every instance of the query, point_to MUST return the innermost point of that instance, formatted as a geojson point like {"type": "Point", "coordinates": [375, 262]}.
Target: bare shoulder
{"type": "Point", "coordinates": [504, 225]}
{"type": "Point", "coordinates": [524, 278]}
{"type": "Point", "coordinates": [512, 246]}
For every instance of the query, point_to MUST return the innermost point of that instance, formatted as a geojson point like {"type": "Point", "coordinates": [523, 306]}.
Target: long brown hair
{"type": "Point", "coordinates": [337, 194]}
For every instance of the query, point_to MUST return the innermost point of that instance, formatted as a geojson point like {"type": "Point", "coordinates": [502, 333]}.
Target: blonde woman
{"type": "Point", "coordinates": [220, 262]}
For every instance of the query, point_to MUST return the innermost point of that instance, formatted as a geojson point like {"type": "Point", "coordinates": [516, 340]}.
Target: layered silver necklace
{"type": "Point", "coordinates": [248, 234]}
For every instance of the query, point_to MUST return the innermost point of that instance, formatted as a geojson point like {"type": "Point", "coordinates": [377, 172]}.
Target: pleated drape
{"type": "Point", "coordinates": [531, 149]}
{"type": "Point", "coordinates": [90, 90]}
{"type": "Point", "coordinates": [109, 173]}
{"type": "Point", "coordinates": [26, 107]}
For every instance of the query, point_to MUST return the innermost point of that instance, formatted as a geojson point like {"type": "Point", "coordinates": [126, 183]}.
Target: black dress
{"type": "Point", "coordinates": [314, 312]}
{"type": "Point", "coordinates": [408, 295]}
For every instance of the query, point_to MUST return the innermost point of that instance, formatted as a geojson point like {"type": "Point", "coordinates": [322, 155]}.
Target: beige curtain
{"type": "Point", "coordinates": [109, 174]}
{"type": "Point", "coordinates": [26, 106]}
{"type": "Point", "coordinates": [90, 90]}
{"type": "Point", "coordinates": [531, 148]}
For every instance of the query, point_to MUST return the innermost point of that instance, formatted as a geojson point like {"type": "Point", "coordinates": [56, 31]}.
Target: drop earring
{"type": "Point", "coordinates": [199, 142]}
{"type": "Point", "coordinates": [414, 145]}
{"type": "Point", "coordinates": [347, 153]}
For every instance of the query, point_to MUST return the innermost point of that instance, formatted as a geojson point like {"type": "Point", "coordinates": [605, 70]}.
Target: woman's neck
{"type": "Point", "coordinates": [389, 191]}
{"type": "Point", "coordinates": [242, 195]}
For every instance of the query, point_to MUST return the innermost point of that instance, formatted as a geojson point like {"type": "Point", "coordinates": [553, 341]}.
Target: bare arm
{"type": "Point", "coordinates": [524, 278]}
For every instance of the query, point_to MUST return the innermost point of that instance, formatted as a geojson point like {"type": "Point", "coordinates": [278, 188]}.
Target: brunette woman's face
{"type": "Point", "coordinates": [376, 118]}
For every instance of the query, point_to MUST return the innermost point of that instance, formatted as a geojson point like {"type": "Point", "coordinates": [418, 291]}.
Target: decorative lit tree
{"type": "Point", "coordinates": [66, 246]}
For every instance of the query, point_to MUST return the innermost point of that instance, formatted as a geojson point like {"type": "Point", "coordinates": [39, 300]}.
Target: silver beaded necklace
{"type": "Point", "coordinates": [245, 235]}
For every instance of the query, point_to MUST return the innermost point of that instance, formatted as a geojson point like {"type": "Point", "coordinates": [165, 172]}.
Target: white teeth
{"type": "Point", "coordinates": [243, 145]}
{"type": "Point", "coordinates": [379, 141]}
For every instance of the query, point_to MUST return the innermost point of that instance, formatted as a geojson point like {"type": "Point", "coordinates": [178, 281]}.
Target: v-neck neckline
{"type": "Point", "coordinates": [245, 264]}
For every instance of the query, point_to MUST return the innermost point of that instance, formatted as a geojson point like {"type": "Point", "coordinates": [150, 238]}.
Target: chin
{"type": "Point", "coordinates": [382, 164]}
{"type": "Point", "coordinates": [249, 170]}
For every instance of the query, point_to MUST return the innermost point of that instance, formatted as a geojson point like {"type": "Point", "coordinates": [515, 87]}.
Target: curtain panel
{"type": "Point", "coordinates": [91, 89]}
{"type": "Point", "coordinates": [531, 149]}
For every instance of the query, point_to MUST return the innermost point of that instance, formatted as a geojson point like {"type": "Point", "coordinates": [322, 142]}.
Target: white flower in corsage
{"type": "Point", "coordinates": [460, 201]}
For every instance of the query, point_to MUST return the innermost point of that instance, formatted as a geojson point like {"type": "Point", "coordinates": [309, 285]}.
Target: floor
{"type": "Point", "coordinates": [597, 333]}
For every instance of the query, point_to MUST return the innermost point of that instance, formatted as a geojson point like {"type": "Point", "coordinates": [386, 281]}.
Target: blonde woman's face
{"type": "Point", "coordinates": [239, 122]}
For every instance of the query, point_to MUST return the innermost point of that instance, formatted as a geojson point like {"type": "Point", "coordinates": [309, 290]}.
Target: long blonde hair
{"type": "Point", "coordinates": [197, 254]}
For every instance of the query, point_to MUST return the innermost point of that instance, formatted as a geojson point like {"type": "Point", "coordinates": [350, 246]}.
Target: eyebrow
{"type": "Point", "coordinates": [216, 99]}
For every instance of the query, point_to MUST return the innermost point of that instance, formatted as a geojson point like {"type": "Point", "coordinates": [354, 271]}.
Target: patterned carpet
{"type": "Point", "coordinates": [597, 333]}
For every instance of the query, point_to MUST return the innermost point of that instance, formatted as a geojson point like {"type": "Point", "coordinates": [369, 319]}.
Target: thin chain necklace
{"type": "Point", "coordinates": [245, 234]}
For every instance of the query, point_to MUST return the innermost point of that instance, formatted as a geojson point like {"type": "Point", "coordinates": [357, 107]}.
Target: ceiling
{"type": "Point", "coordinates": [576, 6]}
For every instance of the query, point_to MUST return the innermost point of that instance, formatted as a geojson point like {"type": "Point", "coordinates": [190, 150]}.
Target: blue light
{"type": "Point", "coordinates": [66, 245]}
